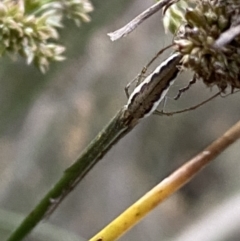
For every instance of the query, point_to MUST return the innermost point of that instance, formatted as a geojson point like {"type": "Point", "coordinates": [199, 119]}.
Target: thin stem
{"type": "Point", "coordinates": [132, 25]}
{"type": "Point", "coordinates": [140, 104]}
{"type": "Point", "coordinates": [119, 126]}
{"type": "Point", "coordinates": [167, 187]}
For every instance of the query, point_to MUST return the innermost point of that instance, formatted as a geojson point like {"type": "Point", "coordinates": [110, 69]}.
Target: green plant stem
{"type": "Point", "coordinates": [118, 127]}
{"type": "Point", "coordinates": [47, 231]}
{"type": "Point", "coordinates": [141, 103]}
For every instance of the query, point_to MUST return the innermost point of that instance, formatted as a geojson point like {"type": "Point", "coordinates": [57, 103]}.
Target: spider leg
{"type": "Point", "coordinates": [182, 90]}
{"type": "Point", "coordinates": [157, 112]}
{"type": "Point", "coordinates": [138, 79]}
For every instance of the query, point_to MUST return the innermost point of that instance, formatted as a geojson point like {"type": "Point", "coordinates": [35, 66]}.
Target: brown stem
{"type": "Point", "coordinates": [168, 186]}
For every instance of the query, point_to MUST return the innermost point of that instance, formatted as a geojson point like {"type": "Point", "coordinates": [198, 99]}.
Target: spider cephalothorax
{"type": "Point", "coordinates": [202, 25]}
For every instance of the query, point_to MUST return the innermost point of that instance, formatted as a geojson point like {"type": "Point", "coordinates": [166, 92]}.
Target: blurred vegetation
{"type": "Point", "coordinates": [46, 120]}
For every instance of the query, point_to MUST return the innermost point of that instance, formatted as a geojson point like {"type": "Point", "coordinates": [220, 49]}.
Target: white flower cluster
{"type": "Point", "coordinates": [29, 28]}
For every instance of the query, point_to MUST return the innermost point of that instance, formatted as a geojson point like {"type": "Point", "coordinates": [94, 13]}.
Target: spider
{"type": "Point", "coordinates": [205, 36]}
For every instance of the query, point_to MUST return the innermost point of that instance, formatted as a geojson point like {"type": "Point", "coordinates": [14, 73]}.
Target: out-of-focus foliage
{"type": "Point", "coordinates": [174, 16]}
{"type": "Point", "coordinates": [29, 28]}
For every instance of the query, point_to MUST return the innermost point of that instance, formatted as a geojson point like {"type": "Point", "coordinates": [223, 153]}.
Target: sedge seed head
{"type": "Point", "coordinates": [201, 25]}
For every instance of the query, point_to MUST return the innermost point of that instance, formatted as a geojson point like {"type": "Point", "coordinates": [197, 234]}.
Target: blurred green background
{"type": "Point", "coordinates": [46, 120]}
